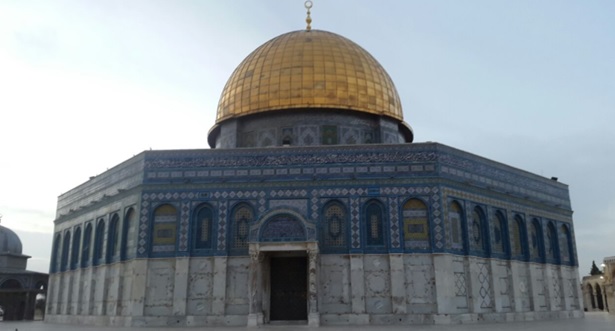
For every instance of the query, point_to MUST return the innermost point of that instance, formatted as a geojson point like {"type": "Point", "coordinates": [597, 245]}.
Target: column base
{"type": "Point", "coordinates": [254, 320]}
{"type": "Point", "coordinates": [313, 319]}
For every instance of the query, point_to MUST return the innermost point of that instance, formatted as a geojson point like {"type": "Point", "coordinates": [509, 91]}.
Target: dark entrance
{"type": "Point", "coordinates": [288, 289]}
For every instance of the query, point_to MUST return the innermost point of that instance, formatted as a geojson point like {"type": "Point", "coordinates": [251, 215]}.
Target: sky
{"type": "Point", "coordinates": [86, 84]}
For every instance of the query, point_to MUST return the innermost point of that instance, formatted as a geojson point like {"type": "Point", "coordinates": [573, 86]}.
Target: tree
{"type": "Point", "coordinates": [595, 270]}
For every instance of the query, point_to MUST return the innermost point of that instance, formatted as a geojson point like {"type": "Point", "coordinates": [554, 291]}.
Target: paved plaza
{"type": "Point", "coordinates": [592, 321]}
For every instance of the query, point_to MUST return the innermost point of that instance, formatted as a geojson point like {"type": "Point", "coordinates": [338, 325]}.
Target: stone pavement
{"type": "Point", "coordinates": [591, 322]}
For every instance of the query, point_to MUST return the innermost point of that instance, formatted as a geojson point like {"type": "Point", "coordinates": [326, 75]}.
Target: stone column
{"type": "Point", "coordinates": [313, 314]}
{"type": "Point", "coordinates": [255, 315]}
{"type": "Point", "coordinates": [357, 291]}
{"type": "Point", "coordinates": [606, 303]}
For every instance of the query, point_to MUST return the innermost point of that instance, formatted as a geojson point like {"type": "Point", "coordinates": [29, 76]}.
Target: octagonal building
{"type": "Point", "coordinates": [312, 206]}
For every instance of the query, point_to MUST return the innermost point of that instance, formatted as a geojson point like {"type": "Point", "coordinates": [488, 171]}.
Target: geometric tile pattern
{"type": "Point", "coordinates": [556, 283]}
{"type": "Point", "coordinates": [184, 223]}
{"type": "Point", "coordinates": [394, 223]}
{"type": "Point", "coordinates": [460, 284]}
{"type": "Point", "coordinates": [355, 227]}
{"type": "Point", "coordinates": [222, 222]}
{"type": "Point", "coordinates": [143, 228]}
{"type": "Point", "coordinates": [484, 281]}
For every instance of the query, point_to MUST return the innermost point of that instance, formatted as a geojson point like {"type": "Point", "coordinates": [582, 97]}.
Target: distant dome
{"type": "Point", "coordinates": [9, 242]}
{"type": "Point", "coordinates": [309, 70]}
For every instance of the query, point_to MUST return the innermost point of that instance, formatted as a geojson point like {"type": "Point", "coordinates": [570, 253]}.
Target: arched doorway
{"type": "Point", "coordinates": [283, 269]}
{"type": "Point", "coordinates": [592, 300]}
{"type": "Point", "coordinates": [13, 300]}
{"type": "Point", "coordinates": [599, 300]}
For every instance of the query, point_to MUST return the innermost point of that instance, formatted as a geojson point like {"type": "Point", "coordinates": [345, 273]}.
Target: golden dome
{"type": "Point", "coordinates": [309, 69]}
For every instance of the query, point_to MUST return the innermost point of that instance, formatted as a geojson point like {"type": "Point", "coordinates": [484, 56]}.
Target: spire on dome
{"type": "Point", "coordinates": [308, 5]}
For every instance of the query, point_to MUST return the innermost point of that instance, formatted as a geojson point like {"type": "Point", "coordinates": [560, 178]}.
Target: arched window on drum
{"type": "Point", "coordinates": [416, 225]}
{"type": "Point", "coordinates": [536, 241]}
{"type": "Point", "coordinates": [65, 252]}
{"type": "Point", "coordinates": [86, 247]}
{"type": "Point", "coordinates": [333, 230]}
{"type": "Point", "coordinates": [74, 259]}
{"type": "Point", "coordinates": [478, 238]}
{"type": "Point", "coordinates": [565, 246]}
{"type": "Point", "coordinates": [113, 239]}
{"type": "Point", "coordinates": [455, 218]}
{"type": "Point", "coordinates": [165, 229]}
{"type": "Point", "coordinates": [99, 242]}
{"type": "Point", "coordinates": [374, 224]}
{"type": "Point", "coordinates": [500, 239]}
{"type": "Point", "coordinates": [129, 235]}
{"type": "Point", "coordinates": [203, 223]}
{"type": "Point", "coordinates": [243, 216]}
{"type": "Point", "coordinates": [519, 238]}
{"type": "Point", "coordinates": [551, 244]}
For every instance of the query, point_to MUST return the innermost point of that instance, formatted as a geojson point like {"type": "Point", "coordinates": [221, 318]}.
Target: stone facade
{"type": "Point", "coordinates": [390, 234]}
{"type": "Point", "coordinates": [599, 290]}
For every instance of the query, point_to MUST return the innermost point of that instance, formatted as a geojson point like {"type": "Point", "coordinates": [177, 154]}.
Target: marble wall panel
{"type": "Point", "coordinates": [237, 286]}
{"type": "Point", "coordinates": [159, 289]}
{"type": "Point", "coordinates": [334, 289]}
{"type": "Point", "coordinates": [377, 284]}
{"type": "Point", "coordinates": [200, 286]}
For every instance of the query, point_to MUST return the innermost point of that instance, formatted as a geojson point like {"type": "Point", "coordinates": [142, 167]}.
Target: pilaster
{"type": "Point", "coordinates": [139, 287]}
{"type": "Point", "coordinates": [219, 290]}
{"type": "Point", "coordinates": [357, 285]}
{"type": "Point", "coordinates": [180, 290]}
{"type": "Point", "coordinates": [255, 314]}
{"type": "Point", "coordinates": [398, 277]}
{"type": "Point", "coordinates": [313, 271]}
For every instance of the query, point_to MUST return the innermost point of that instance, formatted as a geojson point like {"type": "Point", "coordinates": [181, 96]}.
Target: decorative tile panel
{"type": "Point", "coordinates": [184, 225]}
{"type": "Point", "coordinates": [355, 228]}
{"type": "Point", "coordinates": [484, 280]}
{"type": "Point", "coordinates": [222, 222]}
{"type": "Point", "coordinates": [394, 223]}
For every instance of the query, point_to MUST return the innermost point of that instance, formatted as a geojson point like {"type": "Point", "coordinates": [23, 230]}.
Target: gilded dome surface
{"type": "Point", "coordinates": [309, 69]}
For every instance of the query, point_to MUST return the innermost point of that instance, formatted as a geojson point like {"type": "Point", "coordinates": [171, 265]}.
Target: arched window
{"type": "Point", "coordinates": [519, 237]}
{"type": "Point", "coordinates": [86, 246]}
{"type": "Point", "coordinates": [165, 228]}
{"type": "Point", "coordinates": [113, 239]}
{"type": "Point", "coordinates": [374, 223]}
{"type": "Point", "coordinates": [334, 225]}
{"type": "Point", "coordinates": [203, 227]}
{"type": "Point", "coordinates": [565, 246]}
{"type": "Point", "coordinates": [99, 237]}
{"type": "Point", "coordinates": [536, 246]}
{"type": "Point", "coordinates": [74, 259]}
{"type": "Point", "coordinates": [478, 240]}
{"type": "Point", "coordinates": [56, 253]}
{"type": "Point", "coordinates": [416, 224]}
{"type": "Point", "coordinates": [551, 243]}
{"type": "Point", "coordinates": [128, 234]}
{"type": "Point", "coordinates": [65, 254]}
{"type": "Point", "coordinates": [243, 215]}
{"type": "Point", "coordinates": [499, 233]}
{"type": "Point", "coordinates": [455, 217]}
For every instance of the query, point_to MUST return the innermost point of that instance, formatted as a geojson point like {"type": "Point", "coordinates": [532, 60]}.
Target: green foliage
{"type": "Point", "coordinates": [595, 270]}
